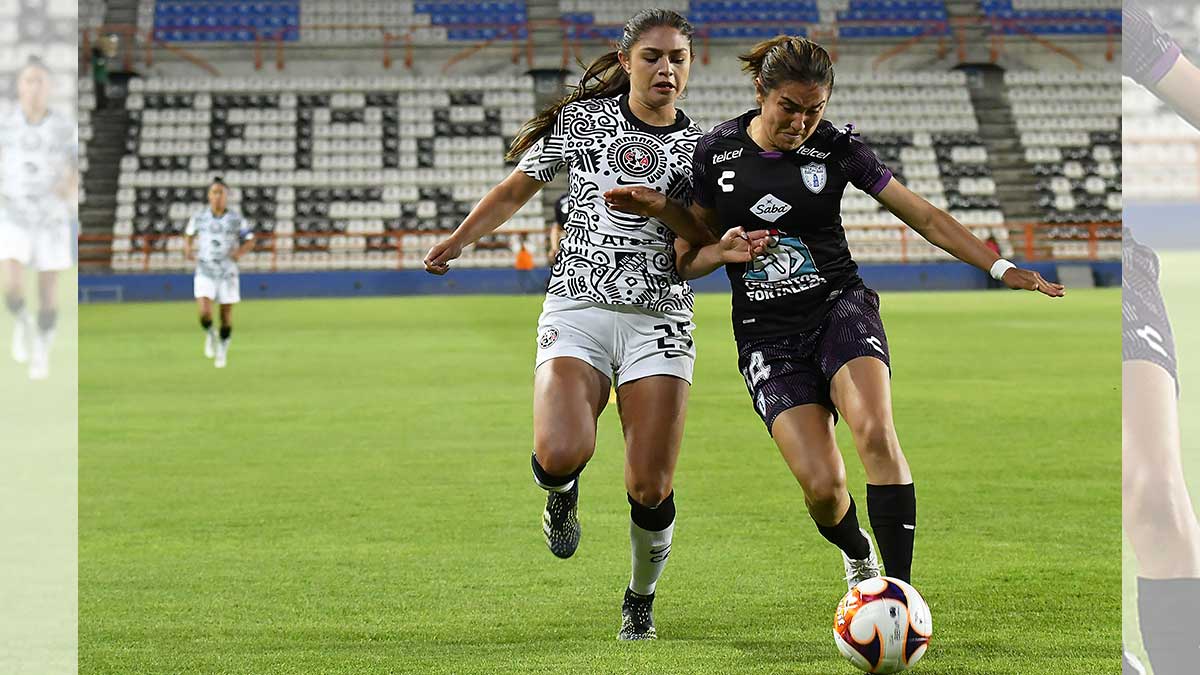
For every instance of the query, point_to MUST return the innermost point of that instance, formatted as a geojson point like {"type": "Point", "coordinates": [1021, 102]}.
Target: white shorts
{"type": "Point", "coordinates": [624, 342]}
{"type": "Point", "coordinates": [44, 248]}
{"type": "Point", "coordinates": [225, 291]}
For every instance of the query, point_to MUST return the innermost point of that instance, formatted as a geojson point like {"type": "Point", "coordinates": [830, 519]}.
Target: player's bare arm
{"type": "Point", "coordinates": [735, 246]}
{"type": "Point", "coordinates": [496, 207]}
{"type": "Point", "coordinates": [694, 223]}
{"type": "Point", "coordinates": [1180, 89]}
{"type": "Point", "coordinates": [243, 249]}
{"type": "Point", "coordinates": [943, 231]}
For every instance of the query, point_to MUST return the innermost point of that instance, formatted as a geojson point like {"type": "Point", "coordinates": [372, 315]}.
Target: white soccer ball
{"type": "Point", "coordinates": [882, 626]}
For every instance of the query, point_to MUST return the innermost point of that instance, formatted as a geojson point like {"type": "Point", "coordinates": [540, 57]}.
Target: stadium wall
{"type": "Point", "coordinates": [351, 283]}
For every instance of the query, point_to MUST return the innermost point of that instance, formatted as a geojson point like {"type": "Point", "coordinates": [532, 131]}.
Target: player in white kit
{"type": "Point", "coordinates": [217, 237]}
{"type": "Point", "coordinates": [38, 151]}
{"type": "Point", "coordinates": [616, 309]}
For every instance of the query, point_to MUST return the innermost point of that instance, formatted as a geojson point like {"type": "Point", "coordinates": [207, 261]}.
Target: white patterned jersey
{"type": "Point", "coordinates": [34, 159]}
{"type": "Point", "coordinates": [608, 256]}
{"type": "Point", "coordinates": [217, 237]}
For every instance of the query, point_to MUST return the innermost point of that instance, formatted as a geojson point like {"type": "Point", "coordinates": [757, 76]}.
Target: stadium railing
{"type": "Point", "coordinates": [402, 250]}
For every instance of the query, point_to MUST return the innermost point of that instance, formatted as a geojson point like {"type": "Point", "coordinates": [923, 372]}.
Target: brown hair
{"type": "Point", "coordinates": [604, 78]}
{"type": "Point", "coordinates": [788, 59]}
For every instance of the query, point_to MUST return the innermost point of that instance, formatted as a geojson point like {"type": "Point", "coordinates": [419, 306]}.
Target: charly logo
{"type": "Point", "coordinates": [548, 337]}
{"type": "Point", "coordinates": [636, 158]}
{"type": "Point", "coordinates": [814, 176]}
{"type": "Point", "coordinates": [770, 208]}
{"type": "Point", "coordinates": [726, 156]}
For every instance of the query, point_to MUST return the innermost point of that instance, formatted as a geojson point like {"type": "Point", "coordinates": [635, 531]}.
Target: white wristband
{"type": "Point", "coordinates": [1000, 267]}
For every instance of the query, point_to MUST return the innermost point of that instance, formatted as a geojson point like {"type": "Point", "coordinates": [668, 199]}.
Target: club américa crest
{"type": "Point", "coordinates": [548, 337]}
{"type": "Point", "coordinates": [636, 158]}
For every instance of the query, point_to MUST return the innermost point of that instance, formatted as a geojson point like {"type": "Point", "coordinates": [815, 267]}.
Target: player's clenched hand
{"type": "Point", "coordinates": [739, 246]}
{"type": "Point", "coordinates": [640, 200]}
{"type": "Point", "coordinates": [437, 261]}
{"type": "Point", "coordinates": [1028, 280]}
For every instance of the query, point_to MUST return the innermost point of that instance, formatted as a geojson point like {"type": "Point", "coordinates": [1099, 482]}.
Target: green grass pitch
{"type": "Point", "coordinates": [352, 495]}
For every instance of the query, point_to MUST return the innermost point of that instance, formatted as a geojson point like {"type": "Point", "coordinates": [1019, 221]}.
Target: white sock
{"type": "Point", "coordinates": [649, 550]}
{"type": "Point", "coordinates": [47, 337]}
{"type": "Point", "coordinates": [212, 334]}
{"type": "Point", "coordinates": [225, 345]}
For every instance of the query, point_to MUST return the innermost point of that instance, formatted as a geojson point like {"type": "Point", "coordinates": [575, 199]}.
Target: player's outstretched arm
{"type": "Point", "coordinates": [736, 246]}
{"type": "Point", "coordinates": [694, 223]}
{"type": "Point", "coordinates": [496, 207]}
{"type": "Point", "coordinates": [1180, 89]}
{"type": "Point", "coordinates": [943, 231]}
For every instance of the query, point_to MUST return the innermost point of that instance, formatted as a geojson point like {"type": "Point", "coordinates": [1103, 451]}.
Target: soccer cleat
{"type": "Point", "coordinates": [39, 365]}
{"type": "Point", "coordinates": [1131, 666]}
{"type": "Point", "coordinates": [219, 361]}
{"type": "Point", "coordinates": [860, 570]}
{"type": "Point", "coordinates": [560, 521]}
{"type": "Point", "coordinates": [20, 342]}
{"type": "Point", "coordinates": [637, 617]}
{"type": "Point", "coordinates": [210, 345]}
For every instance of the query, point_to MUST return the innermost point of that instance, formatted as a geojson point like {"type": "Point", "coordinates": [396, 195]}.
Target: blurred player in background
{"type": "Point", "coordinates": [1159, 518]}
{"type": "Point", "coordinates": [223, 237]}
{"type": "Point", "coordinates": [616, 308]}
{"type": "Point", "coordinates": [38, 152]}
{"type": "Point", "coordinates": [810, 338]}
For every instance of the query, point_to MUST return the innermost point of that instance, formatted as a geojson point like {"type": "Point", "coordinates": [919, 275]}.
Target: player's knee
{"type": "Point", "coordinates": [876, 438]}
{"type": "Point", "coordinates": [558, 457]}
{"type": "Point", "coordinates": [650, 491]}
{"type": "Point", "coordinates": [824, 491]}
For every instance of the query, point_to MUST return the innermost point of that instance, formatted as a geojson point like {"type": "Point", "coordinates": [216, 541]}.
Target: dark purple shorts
{"type": "Point", "coordinates": [1145, 328]}
{"type": "Point", "coordinates": [786, 371]}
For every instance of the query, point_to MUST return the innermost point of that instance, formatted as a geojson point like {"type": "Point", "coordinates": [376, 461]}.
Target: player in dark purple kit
{"type": "Point", "coordinates": [810, 339]}
{"type": "Point", "coordinates": [1157, 510]}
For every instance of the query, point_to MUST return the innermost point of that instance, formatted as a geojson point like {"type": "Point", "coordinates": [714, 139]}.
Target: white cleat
{"type": "Point", "coordinates": [39, 362]}
{"type": "Point", "coordinates": [210, 345]}
{"type": "Point", "coordinates": [219, 361]}
{"type": "Point", "coordinates": [858, 571]}
{"type": "Point", "coordinates": [20, 342]}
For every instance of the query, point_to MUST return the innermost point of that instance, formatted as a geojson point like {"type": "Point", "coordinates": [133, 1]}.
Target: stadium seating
{"type": "Point", "coordinates": [1161, 151]}
{"type": "Point", "coordinates": [1053, 17]}
{"type": "Point", "coordinates": [759, 19]}
{"type": "Point", "coordinates": [1070, 128]}
{"type": "Point", "coordinates": [350, 22]}
{"type": "Point", "coordinates": [352, 172]}
{"type": "Point", "coordinates": [91, 13]}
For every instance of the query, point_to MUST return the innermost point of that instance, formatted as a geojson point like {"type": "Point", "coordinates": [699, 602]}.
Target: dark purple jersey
{"type": "Point", "coordinates": [1147, 52]}
{"type": "Point", "coordinates": [791, 287]}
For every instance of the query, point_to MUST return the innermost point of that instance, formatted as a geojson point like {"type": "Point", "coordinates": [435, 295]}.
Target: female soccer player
{"type": "Point", "coordinates": [616, 306]}
{"type": "Point", "coordinates": [1158, 513]}
{"type": "Point", "coordinates": [224, 237]}
{"type": "Point", "coordinates": [38, 150]}
{"type": "Point", "coordinates": [810, 340]}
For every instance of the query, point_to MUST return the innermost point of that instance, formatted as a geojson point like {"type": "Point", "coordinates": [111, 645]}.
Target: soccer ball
{"type": "Point", "coordinates": [882, 626]}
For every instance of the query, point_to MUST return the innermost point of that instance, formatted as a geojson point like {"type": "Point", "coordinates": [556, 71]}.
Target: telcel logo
{"type": "Point", "coordinates": [726, 156]}
{"type": "Point", "coordinates": [810, 152]}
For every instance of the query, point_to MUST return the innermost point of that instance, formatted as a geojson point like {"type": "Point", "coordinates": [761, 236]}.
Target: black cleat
{"type": "Point", "coordinates": [637, 617]}
{"type": "Point", "coordinates": [560, 521]}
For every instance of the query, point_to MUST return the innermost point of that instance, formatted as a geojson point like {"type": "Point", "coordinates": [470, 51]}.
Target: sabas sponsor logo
{"type": "Point", "coordinates": [726, 156]}
{"type": "Point", "coordinates": [810, 152]}
{"type": "Point", "coordinates": [770, 208]}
